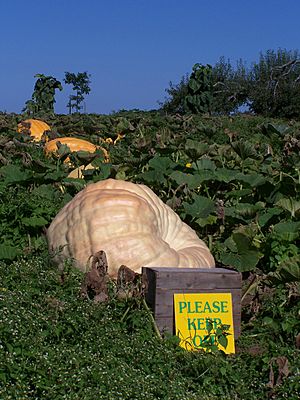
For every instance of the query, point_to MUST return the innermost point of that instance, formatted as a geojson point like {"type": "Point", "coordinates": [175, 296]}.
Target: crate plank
{"type": "Point", "coordinates": [163, 283]}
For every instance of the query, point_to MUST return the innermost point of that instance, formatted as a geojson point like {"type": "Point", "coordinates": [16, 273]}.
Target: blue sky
{"type": "Point", "coordinates": [132, 48]}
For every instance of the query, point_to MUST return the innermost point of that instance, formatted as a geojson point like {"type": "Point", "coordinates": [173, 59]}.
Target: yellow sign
{"type": "Point", "coordinates": [204, 321]}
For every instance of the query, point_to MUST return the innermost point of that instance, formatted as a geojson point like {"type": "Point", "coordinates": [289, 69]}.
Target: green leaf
{"type": "Point", "coordinates": [271, 129]}
{"type": "Point", "coordinates": [45, 192]}
{"type": "Point", "coordinates": [225, 175]}
{"type": "Point", "coordinates": [205, 164]}
{"type": "Point", "coordinates": [155, 176]}
{"type": "Point", "coordinates": [288, 231]}
{"type": "Point", "coordinates": [288, 271]}
{"type": "Point", "coordinates": [77, 183]}
{"type": "Point", "coordinates": [210, 220]}
{"type": "Point", "coordinates": [62, 149]}
{"type": "Point", "coordinates": [254, 180]}
{"type": "Point", "coordinates": [209, 326]}
{"type": "Point", "coordinates": [98, 161]}
{"type": "Point", "coordinates": [191, 180]}
{"type": "Point", "coordinates": [163, 164]}
{"type": "Point", "coordinates": [289, 204]}
{"type": "Point", "coordinates": [196, 149]}
{"type": "Point", "coordinates": [230, 244]}
{"type": "Point", "coordinates": [84, 157]}
{"type": "Point", "coordinates": [55, 176]}
{"type": "Point", "coordinates": [238, 193]}
{"type": "Point", "coordinates": [8, 252]}
{"type": "Point", "coordinates": [14, 174]}
{"type": "Point", "coordinates": [267, 215]}
{"type": "Point", "coordinates": [241, 262]}
{"type": "Point", "coordinates": [104, 172]}
{"type": "Point", "coordinates": [200, 208]}
{"type": "Point", "coordinates": [242, 241]}
{"type": "Point", "coordinates": [34, 221]}
{"type": "Point", "coordinates": [291, 268]}
{"type": "Point", "coordinates": [243, 209]}
{"type": "Point", "coordinates": [223, 341]}
{"type": "Point", "coordinates": [239, 252]}
{"type": "Point", "coordinates": [244, 149]}
{"type": "Point", "coordinates": [159, 169]}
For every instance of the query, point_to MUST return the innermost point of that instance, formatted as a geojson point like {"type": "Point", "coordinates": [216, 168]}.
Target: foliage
{"type": "Point", "coordinates": [42, 100]}
{"type": "Point", "coordinates": [199, 90]}
{"type": "Point", "coordinates": [278, 73]}
{"type": "Point", "coordinates": [228, 89]}
{"type": "Point", "coordinates": [274, 84]}
{"type": "Point", "coordinates": [230, 86]}
{"type": "Point", "coordinates": [81, 85]}
{"type": "Point", "coordinates": [176, 95]}
{"type": "Point", "coordinates": [270, 87]}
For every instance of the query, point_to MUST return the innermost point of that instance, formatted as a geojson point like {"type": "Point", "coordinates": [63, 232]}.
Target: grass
{"type": "Point", "coordinates": [56, 345]}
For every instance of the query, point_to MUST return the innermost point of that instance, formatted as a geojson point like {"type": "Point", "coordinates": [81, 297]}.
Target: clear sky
{"type": "Point", "coordinates": [132, 48]}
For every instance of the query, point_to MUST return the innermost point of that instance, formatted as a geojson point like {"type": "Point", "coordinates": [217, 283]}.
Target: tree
{"type": "Point", "coordinates": [81, 86]}
{"type": "Point", "coordinates": [230, 86]}
{"type": "Point", "coordinates": [275, 84]}
{"type": "Point", "coordinates": [271, 87]}
{"type": "Point", "coordinates": [222, 91]}
{"type": "Point", "coordinates": [199, 90]}
{"type": "Point", "coordinates": [43, 97]}
{"type": "Point", "coordinates": [174, 104]}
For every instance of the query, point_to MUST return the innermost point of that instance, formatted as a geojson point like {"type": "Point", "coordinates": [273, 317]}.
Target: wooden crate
{"type": "Point", "coordinates": [162, 283]}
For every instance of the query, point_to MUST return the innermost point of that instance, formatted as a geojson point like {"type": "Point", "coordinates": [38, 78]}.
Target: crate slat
{"type": "Point", "coordinates": [164, 282]}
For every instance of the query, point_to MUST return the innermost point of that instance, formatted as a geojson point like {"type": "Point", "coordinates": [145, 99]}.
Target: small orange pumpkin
{"type": "Point", "coordinates": [34, 128]}
{"type": "Point", "coordinates": [74, 144]}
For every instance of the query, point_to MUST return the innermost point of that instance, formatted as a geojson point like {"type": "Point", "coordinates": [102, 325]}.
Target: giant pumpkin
{"type": "Point", "coordinates": [130, 224]}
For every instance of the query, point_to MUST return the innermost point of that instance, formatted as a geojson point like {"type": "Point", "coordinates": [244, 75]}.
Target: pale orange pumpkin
{"type": "Point", "coordinates": [34, 128]}
{"type": "Point", "coordinates": [78, 172]}
{"type": "Point", "coordinates": [130, 224]}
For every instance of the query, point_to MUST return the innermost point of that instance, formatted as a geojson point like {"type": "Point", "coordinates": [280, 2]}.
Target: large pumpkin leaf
{"type": "Point", "coordinates": [209, 220]}
{"type": "Point", "coordinates": [8, 252]}
{"type": "Point", "coordinates": [244, 210]}
{"type": "Point", "coordinates": [191, 180]}
{"type": "Point", "coordinates": [238, 193]}
{"type": "Point", "coordinates": [195, 149]}
{"type": "Point", "coordinates": [288, 271]}
{"type": "Point", "coordinates": [201, 207]}
{"type": "Point", "coordinates": [101, 173]}
{"type": "Point", "coordinates": [161, 163]}
{"type": "Point", "coordinates": [55, 176]}
{"type": "Point", "coordinates": [159, 169]}
{"type": "Point", "coordinates": [288, 231]}
{"type": "Point", "coordinates": [253, 180]}
{"type": "Point", "coordinates": [270, 129]}
{"type": "Point", "coordinates": [241, 262]}
{"type": "Point", "coordinates": [205, 164]}
{"type": "Point", "coordinates": [225, 175]}
{"type": "Point", "coordinates": [244, 149]}
{"type": "Point", "coordinates": [240, 253]}
{"type": "Point", "coordinates": [267, 215]}
{"type": "Point", "coordinates": [14, 174]}
{"type": "Point", "coordinates": [289, 204]}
